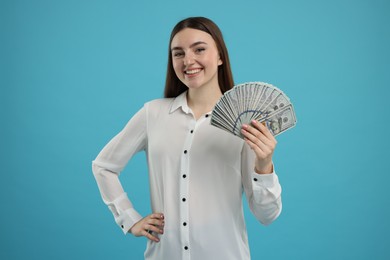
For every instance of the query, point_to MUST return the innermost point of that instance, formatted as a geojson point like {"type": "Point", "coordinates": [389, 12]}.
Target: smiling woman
{"type": "Point", "coordinates": [196, 59]}
{"type": "Point", "coordinates": [192, 56]}
{"type": "Point", "coordinates": [197, 172]}
{"type": "Point", "coordinates": [173, 86]}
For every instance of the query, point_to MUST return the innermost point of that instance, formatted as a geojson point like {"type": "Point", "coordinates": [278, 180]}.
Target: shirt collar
{"type": "Point", "coordinates": [180, 101]}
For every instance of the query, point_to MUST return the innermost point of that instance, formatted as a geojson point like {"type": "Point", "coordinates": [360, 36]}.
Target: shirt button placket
{"type": "Point", "coordinates": [184, 184]}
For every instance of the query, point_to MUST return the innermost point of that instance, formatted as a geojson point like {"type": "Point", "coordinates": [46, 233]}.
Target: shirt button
{"type": "Point", "coordinates": [184, 223]}
{"type": "Point", "coordinates": [207, 115]}
{"type": "Point", "coordinates": [185, 151]}
{"type": "Point", "coordinates": [255, 179]}
{"type": "Point", "coordinates": [184, 175]}
{"type": "Point", "coordinates": [192, 131]}
{"type": "Point", "coordinates": [183, 199]}
{"type": "Point", "coordinates": [186, 248]}
{"type": "Point", "coordinates": [122, 226]}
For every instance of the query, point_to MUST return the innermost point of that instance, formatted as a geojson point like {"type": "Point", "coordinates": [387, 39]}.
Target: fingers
{"type": "Point", "coordinates": [150, 236]}
{"type": "Point", "coordinates": [263, 143]}
{"type": "Point", "coordinates": [258, 147]}
{"type": "Point", "coordinates": [150, 226]}
{"type": "Point", "coordinates": [154, 224]}
{"type": "Point", "coordinates": [259, 138]}
{"type": "Point", "coordinates": [263, 129]}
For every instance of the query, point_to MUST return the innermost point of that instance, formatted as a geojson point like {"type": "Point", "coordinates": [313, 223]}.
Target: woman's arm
{"type": "Point", "coordinates": [111, 161]}
{"type": "Point", "coordinates": [261, 184]}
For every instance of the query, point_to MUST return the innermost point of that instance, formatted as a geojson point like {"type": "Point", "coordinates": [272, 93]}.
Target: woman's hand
{"type": "Point", "coordinates": [151, 223]}
{"type": "Point", "coordinates": [262, 142]}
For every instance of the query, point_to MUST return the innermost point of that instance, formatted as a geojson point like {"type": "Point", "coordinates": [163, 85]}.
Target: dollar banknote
{"type": "Point", "coordinates": [253, 101]}
{"type": "Point", "coordinates": [281, 120]}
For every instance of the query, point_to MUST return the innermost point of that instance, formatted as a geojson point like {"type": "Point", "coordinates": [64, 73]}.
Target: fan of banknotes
{"type": "Point", "coordinates": [253, 100]}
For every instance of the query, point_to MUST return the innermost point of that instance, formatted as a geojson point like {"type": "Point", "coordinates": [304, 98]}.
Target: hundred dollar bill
{"type": "Point", "coordinates": [278, 103]}
{"type": "Point", "coordinates": [253, 100]}
{"type": "Point", "coordinates": [269, 94]}
{"type": "Point", "coordinates": [281, 120]}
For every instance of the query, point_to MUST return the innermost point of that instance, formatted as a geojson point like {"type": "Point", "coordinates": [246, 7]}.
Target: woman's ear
{"type": "Point", "coordinates": [220, 62]}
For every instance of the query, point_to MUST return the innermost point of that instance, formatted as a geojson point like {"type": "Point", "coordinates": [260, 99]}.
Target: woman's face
{"type": "Point", "coordinates": [195, 58]}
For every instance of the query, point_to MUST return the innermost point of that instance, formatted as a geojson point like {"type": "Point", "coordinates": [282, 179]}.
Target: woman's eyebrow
{"type": "Point", "coordinates": [191, 46]}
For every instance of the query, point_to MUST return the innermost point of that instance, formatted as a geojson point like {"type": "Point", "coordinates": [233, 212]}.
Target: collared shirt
{"type": "Point", "coordinates": [198, 174]}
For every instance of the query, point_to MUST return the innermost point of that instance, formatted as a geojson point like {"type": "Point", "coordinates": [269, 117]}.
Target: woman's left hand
{"type": "Point", "coordinates": [263, 143]}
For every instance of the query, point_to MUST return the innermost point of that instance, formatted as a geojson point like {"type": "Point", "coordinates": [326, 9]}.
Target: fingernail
{"type": "Point", "coordinates": [244, 126]}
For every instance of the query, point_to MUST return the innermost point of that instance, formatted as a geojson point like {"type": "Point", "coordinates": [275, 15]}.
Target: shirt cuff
{"type": "Point", "coordinates": [127, 219]}
{"type": "Point", "coordinates": [264, 180]}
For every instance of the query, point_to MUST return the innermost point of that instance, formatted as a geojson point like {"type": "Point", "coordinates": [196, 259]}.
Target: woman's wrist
{"type": "Point", "coordinates": [266, 169]}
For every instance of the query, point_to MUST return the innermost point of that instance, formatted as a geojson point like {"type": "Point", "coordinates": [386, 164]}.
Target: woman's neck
{"type": "Point", "coordinates": [203, 100]}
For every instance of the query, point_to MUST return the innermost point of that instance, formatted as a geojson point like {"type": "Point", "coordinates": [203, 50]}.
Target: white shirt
{"type": "Point", "coordinates": [197, 176]}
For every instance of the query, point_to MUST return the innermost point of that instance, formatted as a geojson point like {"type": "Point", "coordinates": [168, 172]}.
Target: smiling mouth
{"type": "Point", "coordinates": [192, 72]}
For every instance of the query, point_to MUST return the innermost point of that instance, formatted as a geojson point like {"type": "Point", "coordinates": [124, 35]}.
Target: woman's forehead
{"type": "Point", "coordinates": [189, 36]}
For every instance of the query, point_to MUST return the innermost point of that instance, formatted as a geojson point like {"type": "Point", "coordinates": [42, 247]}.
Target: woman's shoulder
{"type": "Point", "coordinates": [159, 103]}
{"type": "Point", "coordinates": [170, 103]}
{"type": "Point", "coordinates": [157, 106]}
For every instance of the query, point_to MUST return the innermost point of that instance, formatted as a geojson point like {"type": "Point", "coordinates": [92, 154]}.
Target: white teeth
{"type": "Point", "coordinates": [193, 71]}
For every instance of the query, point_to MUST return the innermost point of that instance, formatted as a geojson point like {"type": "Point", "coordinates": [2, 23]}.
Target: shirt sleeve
{"type": "Point", "coordinates": [263, 191]}
{"type": "Point", "coordinates": [111, 161]}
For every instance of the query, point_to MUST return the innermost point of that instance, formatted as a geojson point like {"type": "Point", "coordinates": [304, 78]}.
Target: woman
{"type": "Point", "coordinates": [197, 172]}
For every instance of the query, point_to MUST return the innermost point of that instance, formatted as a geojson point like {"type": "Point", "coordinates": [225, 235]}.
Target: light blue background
{"type": "Point", "coordinates": [73, 72]}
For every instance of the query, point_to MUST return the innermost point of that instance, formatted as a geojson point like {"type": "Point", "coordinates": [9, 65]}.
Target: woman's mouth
{"type": "Point", "coordinates": [192, 72]}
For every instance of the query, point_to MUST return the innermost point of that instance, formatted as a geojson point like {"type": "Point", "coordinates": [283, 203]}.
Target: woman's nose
{"type": "Point", "coordinates": [189, 59]}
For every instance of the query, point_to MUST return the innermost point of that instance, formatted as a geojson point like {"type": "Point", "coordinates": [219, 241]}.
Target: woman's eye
{"type": "Point", "coordinates": [177, 54]}
{"type": "Point", "coordinates": [199, 50]}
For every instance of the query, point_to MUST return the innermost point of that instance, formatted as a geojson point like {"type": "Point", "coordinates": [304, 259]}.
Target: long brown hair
{"type": "Point", "coordinates": [173, 86]}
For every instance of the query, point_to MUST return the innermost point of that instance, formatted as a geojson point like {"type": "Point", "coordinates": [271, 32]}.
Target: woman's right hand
{"type": "Point", "coordinates": [149, 226]}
